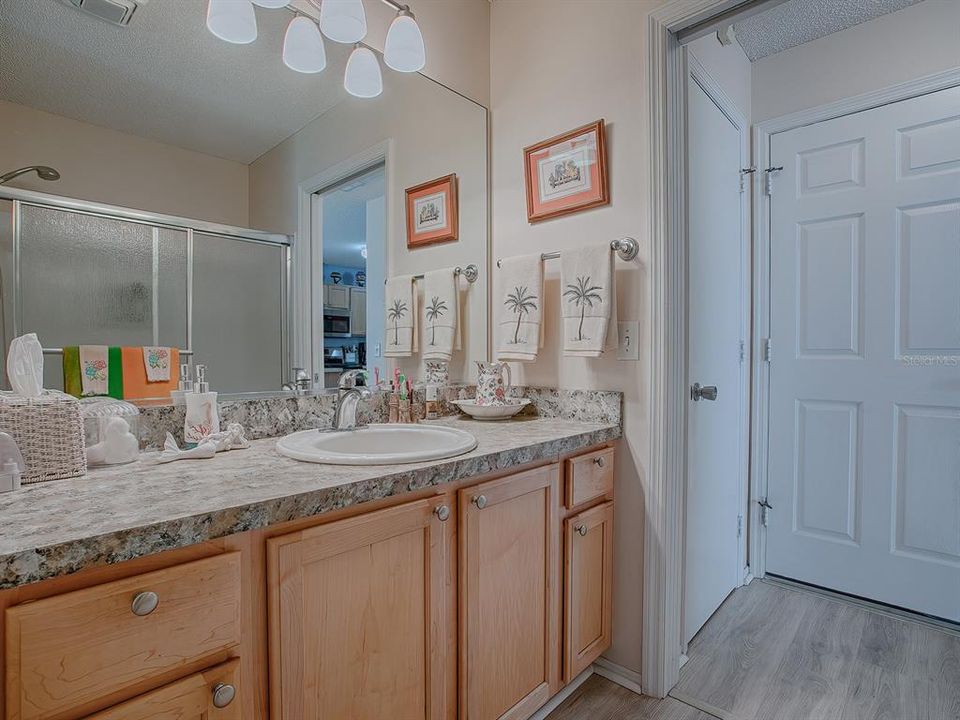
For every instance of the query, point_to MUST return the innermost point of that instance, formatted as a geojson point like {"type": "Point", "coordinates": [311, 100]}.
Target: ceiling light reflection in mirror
{"type": "Point", "coordinates": [342, 21]}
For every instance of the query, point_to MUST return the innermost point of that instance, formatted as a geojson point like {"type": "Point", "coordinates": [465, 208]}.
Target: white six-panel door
{"type": "Point", "coordinates": [864, 433]}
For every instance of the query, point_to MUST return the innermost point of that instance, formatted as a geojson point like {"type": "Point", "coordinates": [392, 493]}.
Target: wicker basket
{"type": "Point", "coordinates": [49, 431]}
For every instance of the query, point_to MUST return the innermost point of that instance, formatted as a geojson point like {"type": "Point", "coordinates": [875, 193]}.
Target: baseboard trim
{"type": "Point", "coordinates": [624, 677]}
{"type": "Point", "coordinates": [568, 690]}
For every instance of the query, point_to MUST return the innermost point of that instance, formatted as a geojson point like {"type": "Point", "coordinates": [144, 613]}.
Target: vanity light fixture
{"type": "Point", "coordinates": [303, 46]}
{"type": "Point", "coordinates": [232, 20]}
{"type": "Point", "coordinates": [363, 79]}
{"type": "Point", "coordinates": [343, 21]}
{"type": "Point", "coordinates": [404, 50]}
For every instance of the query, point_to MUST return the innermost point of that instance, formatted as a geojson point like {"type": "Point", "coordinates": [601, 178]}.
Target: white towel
{"type": "Point", "coordinates": [156, 361]}
{"type": "Point", "coordinates": [401, 328]}
{"type": "Point", "coordinates": [588, 299]}
{"type": "Point", "coordinates": [519, 300]}
{"type": "Point", "coordinates": [441, 314]}
{"type": "Point", "coordinates": [94, 370]}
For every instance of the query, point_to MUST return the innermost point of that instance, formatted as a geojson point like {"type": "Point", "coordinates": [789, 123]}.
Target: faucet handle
{"type": "Point", "coordinates": [349, 378]}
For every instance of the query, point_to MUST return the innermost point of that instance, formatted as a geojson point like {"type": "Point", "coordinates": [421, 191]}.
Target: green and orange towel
{"type": "Point", "coordinates": [117, 372]}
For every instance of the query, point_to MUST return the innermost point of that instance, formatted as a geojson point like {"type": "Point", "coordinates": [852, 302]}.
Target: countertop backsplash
{"type": "Point", "coordinates": [277, 416]}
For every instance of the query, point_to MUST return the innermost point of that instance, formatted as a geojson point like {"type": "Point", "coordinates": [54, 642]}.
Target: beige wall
{"type": "Point", "coordinates": [457, 37]}
{"type": "Point", "coordinates": [433, 132]}
{"type": "Point", "coordinates": [112, 167]}
{"type": "Point", "coordinates": [554, 66]}
{"type": "Point", "coordinates": [894, 48]}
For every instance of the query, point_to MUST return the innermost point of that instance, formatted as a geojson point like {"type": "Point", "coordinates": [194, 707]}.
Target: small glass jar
{"type": "Point", "coordinates": [108, 441]}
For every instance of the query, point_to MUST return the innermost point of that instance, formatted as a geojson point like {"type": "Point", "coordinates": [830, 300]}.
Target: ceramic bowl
{"type": "Point", "coordinates": [492, 412]}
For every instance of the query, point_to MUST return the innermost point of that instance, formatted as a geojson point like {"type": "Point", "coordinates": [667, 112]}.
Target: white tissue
{"type": "Point", "coordinates": [25, 365]}
{"type": "Point", "coordinates": [233, 438]}
{"type": "Point", "coordinates": [118, 446]}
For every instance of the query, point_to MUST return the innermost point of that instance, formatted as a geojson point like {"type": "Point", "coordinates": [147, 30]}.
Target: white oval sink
{"type": "Point", "coordinates": [377, 445]}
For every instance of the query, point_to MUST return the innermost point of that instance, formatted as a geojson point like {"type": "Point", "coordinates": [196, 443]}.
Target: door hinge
{"type": "Point", "coordinates": [743, 174]}
{"type": "Point", "coordinates": [768, 182]}
{"type": "Point", "coordinates": [765, 509]}
{"type": "Point", "coordinates": [739, 525]}
{"type": "Point", "coordinates": [742, 351]}
{"type": "Point", "coordinates": [766, 349]}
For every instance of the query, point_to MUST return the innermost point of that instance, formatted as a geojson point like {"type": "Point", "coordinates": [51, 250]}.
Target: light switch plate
{"type": "Point", "coordinates": [628, 345]}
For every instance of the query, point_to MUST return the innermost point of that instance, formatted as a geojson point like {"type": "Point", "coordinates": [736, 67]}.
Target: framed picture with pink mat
{"type": "Point", "coordinates": [432, 212]}
{"type": "Point", "coordinates": [567, 173]}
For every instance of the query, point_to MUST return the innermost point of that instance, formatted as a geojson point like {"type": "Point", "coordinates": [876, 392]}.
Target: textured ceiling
{"type": "Point", "coordinates": [799, 21]}
{"type": "Point", "coordinates": [165, 76]}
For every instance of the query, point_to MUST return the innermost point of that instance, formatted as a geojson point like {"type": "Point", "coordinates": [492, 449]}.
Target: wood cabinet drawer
{"type": "Point", "coordinates": [67, 651]}
{"type": "Point", "coordinates": [588, 585]}
{"type": "Point", "coordinates": [589, 476]}
{"type": "Point", "coordinates": [210, 695]}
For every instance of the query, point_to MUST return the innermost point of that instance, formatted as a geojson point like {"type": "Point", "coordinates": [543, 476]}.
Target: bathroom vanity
{"type": "Point", "coordinates": [255, 586]}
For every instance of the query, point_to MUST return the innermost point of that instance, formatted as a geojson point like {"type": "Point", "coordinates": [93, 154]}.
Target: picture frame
{"type": "Point", "coordinates": [567, 173]}
{"type": "Point", "coordinates": [433, 212]}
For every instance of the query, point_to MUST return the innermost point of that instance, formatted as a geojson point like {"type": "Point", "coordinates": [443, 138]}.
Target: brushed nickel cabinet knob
{"type": "Point", "coordinates": [581, 530]}
{"type": "Point", "coordinates": [144, 603]}
{"type": "Point", "coordinates": [442, 512]}
{"type": "Point", "coordinates": [480, 501]}
{"type": "Point", "coordinates": [223, 694]}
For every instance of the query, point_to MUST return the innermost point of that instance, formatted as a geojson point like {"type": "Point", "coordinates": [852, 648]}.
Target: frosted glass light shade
{"type": "Point", "coordinates": [343, 21]}
{"type": "Point", "coordinates": [303, 46]}
{"type": "Point", "coordinates": [363, 77]}
{"type": "Point", "coordinates": [404, 49]}
{"type": "Point", "coordinates": [232, 20]}
{"type": "Point", "coordinates": [271, 4]}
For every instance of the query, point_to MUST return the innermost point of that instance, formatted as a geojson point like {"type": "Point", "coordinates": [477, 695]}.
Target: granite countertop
{"type": "Point", "coordinates": [128, 511]}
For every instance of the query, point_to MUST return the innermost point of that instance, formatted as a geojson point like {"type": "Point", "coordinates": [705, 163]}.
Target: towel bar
{"type": "Point", "coordinates": [59, 351]}
{"type": "Point", "coordinates": [471, 272]}
{"type": "Point", "coordinates": [626, 248]}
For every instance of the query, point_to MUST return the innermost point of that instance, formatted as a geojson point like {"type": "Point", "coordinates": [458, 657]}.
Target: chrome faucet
{"type": "Point", "coordinates": [301, 384]}
{"type": "Point", "coordinates": [349, 396]}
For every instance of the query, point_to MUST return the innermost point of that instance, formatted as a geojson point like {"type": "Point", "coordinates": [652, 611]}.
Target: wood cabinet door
{"type": "Point", "coordinates": [509, 595]}
{"type": "Point", "coordinates": [358, 311]}
{"type": "Point", "coordinates": [337, 296]}
{"type": "Point", "coordinates": [362, 614]}
{"type": "Point", "coordinates": [588, 581]}
{"type": "Point", "coordinates": [209, 695]}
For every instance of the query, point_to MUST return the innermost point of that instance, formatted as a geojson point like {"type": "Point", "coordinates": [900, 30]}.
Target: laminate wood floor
{"type": "Point", "coordinates": [777, 653]}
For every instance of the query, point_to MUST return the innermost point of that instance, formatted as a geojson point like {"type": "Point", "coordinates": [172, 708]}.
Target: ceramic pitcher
{"type": "Point", "coordinates": [491, 388]}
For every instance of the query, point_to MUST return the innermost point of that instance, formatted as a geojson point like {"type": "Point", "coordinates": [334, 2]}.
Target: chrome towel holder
{"type": "Point", "coordinates": [470, 273]}
{"type": "Point", "coordinates": [627, 249]}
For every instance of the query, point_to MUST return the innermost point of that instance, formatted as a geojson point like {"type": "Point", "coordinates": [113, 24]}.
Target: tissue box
{"type": "Point", "coordinates": [49, 432]}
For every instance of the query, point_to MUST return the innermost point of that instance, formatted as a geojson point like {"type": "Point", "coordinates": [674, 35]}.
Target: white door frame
{"type": "Point", "coordinates": [762, 134]}
{"type": "Point", "coordinates": [306, 293]}
{"type": "Point", "coordinates": [728, 107]}
{"type": "Point", "coordinates": [667, 381]}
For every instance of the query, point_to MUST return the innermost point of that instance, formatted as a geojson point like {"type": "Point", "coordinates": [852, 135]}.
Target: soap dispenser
{"type": "Point", "coordinates": [203, 417]}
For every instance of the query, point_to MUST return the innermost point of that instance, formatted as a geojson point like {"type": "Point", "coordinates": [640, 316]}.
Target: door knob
{"type": "Point", "coordinates": [703, 392]}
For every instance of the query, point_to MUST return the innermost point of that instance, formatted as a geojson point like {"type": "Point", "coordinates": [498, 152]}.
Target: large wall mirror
{"type": "Point", "coordinates": [202, 195]}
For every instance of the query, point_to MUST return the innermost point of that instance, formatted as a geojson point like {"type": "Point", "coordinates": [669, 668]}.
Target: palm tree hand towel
{"type": "Point", "coordinates": [400, 338]}
{"type": "Point", "coordinates": [519, 305]}
{"type": "Point", "coordinates": [441, 314]}
{"type": "Point", "coordinates": [587, 299]}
